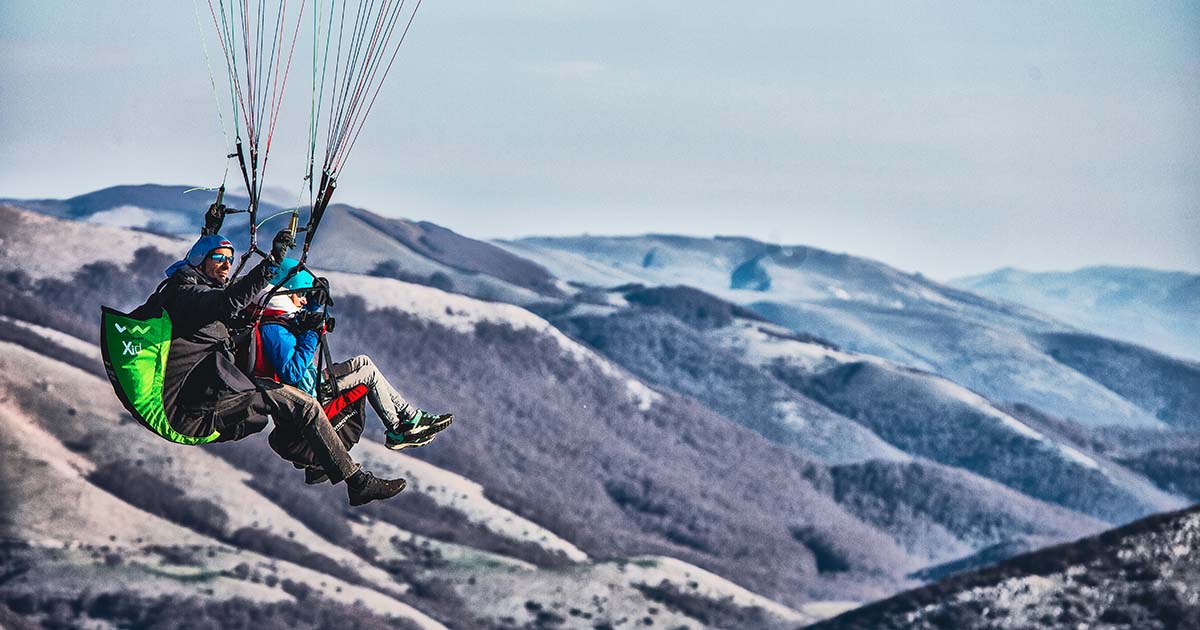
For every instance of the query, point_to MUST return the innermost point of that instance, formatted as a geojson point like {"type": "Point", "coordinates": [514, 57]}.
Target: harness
{"type": "Point", "coordinates": [344, 408]}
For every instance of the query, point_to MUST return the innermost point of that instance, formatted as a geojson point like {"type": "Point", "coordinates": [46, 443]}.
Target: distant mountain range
{"type": "Point", "coordinates": [648, 426]}
{"type": "Point", "coordinates": [998, 349]}
{"type": "Point", "coordinates": [1157, 309]}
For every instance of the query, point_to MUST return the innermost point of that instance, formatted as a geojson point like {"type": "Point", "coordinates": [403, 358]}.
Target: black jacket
{"type": "Point", "coordinates": [202, 372]}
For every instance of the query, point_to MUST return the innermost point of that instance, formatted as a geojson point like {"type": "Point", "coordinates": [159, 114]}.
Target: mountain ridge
{"type": "Point", "coordinates": [1151, 307]}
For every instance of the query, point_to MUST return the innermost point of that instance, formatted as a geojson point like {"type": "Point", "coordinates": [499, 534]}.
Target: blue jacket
{"type": "Point", "coordinates": [291, 356]}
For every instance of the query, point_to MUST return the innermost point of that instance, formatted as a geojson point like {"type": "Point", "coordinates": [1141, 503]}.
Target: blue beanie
{"type": "Point", "coordinates": [197, 253]}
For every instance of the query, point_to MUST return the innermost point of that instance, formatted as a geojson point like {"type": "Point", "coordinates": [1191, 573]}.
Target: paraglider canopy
{"type": "Point", "coordinates": [360, 37]}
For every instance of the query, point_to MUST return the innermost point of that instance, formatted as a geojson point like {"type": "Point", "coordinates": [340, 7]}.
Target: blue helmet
{"type": "Point", "coordinates": [300, 281]}
{"type": "Point", "coordinates": [195, 256]}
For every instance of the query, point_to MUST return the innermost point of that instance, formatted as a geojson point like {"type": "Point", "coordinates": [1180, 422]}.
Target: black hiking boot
{"type": "Point", "coordinates": [364, 487]}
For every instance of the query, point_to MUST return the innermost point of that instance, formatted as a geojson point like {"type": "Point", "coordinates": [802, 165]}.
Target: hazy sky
{"type": "Point", "coordinates": [948, 138]}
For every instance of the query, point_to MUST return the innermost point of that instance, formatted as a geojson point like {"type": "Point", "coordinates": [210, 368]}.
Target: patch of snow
{"type": "Point", "coordinates": [592, 310]}
{"type": "Point", "coordinates": [835, 440]}
{"type": "Point", "coordinates": [569, 265]}
{"type": "Point", "coordinates": [644, 396]}
{"type": "Point", "coordinates": [831, 439]}
{"type": "Point", "coordinates": [762, 348]}
{"type": "Point", "coordinates": [211, 575]}
{"type": "Point", "coordinates": [828, 609]}
{"type": "Point", "coordinates": [791, 416]}
{"type": "Point", "coordinates": [455, 491]}
{"type": "Point", "coordinates": [137, 217]}
{"type": "Point", "coordinates": [616, 299]}
{"type": "Point", "coordinates": [980, 404]}
{"type": "Point", "coordinates": [58, 503]}
{"type": "Point", "coordinates": [923, 293]}
{"type": "Point", "coordinates": [25, 432]}
{"type": "Point", "coordinates": [565, 287]}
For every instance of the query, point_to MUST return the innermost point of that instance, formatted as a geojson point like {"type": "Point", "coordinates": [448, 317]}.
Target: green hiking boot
{"type": "Point", "coordinates": [417, 432]}
{"type": "Point", "coordinates": [396, 440]}
{"type": "Point", "coordinates": [426, 422]}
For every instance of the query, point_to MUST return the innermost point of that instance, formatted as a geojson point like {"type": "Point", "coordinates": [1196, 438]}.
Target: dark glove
{"type": "Point", "coordinates": [309, 320]}
{"type": "Point", "coordinates": [280, 245]}
{"type": "Point", "coordinates": [320, 292]}
{"type": "Point", "coordinates": [213, 219]}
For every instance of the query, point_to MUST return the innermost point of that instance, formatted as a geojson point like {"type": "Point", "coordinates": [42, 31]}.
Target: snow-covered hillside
{"type": "Point", "coordinates": [929, 416]}
{"type": "Point", "coordinates": [43, 247]}
{"type": "Point", "coordinates": [235, 508]}
{"type": "Point", "coordinates": [859, 304]}
{"type": "Point", "coordinates": [59, 425]}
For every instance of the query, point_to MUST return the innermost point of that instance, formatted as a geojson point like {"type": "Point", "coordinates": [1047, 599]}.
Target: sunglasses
{"type": "Point", "coordinates": [220, 258]}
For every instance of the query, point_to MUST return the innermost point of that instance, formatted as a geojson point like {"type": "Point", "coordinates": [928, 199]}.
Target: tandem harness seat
{"type": "Point", "coordinates": [346, 409]}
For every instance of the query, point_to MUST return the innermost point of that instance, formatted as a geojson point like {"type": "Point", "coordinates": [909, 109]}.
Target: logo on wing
{"type": "Point", "coordinates": [137, 329]}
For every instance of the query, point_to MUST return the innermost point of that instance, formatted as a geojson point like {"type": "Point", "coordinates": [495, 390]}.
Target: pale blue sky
{"type": "Point", "coordinates": [945, 137]}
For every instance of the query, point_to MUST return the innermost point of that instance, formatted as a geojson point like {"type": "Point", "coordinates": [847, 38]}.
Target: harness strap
{"type": "Point", "coordinates": [327, 359]}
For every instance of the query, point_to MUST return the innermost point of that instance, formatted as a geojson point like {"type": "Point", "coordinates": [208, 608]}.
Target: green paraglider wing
{"type": "Point", "coordinates": [135, 356]}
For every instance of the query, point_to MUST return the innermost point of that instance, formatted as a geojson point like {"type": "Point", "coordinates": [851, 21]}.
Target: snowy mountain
{"type": "Point", "coordinates": [842, 407]}
{"type": "Point", "coordinates": [992, 348]}
{"type": "Point", "coordinates": [1156, 309]}
{"type": "Point", "coordinates": [640, 452]}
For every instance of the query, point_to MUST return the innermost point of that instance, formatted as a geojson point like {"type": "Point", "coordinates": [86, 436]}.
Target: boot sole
{"type": "Point", "coordinates": [404, 445]}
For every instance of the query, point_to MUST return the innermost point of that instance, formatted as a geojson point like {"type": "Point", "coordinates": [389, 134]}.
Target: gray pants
{"type": "Point", "coordinates": [315, 441]}
{"type": "Point", "coordinates": [385, 400]}
{"type": "Point", "coordinates": [302, 434]}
